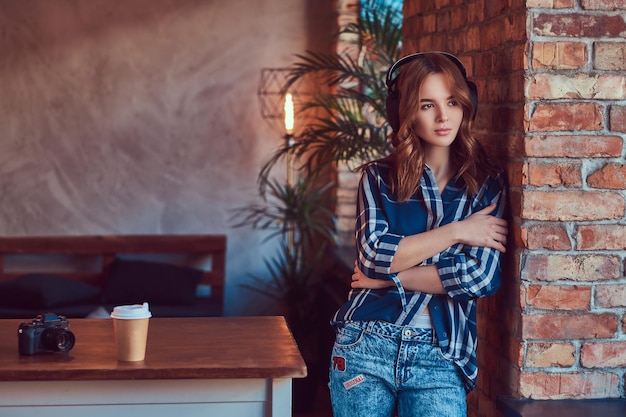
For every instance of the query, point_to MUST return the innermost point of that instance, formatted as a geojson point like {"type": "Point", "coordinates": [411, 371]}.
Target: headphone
{"type": "Point", "coordinates": [393, 96]}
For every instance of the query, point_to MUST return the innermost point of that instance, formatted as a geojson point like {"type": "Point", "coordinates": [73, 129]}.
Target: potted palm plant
{"type": "Point", "coordinates": [347, 125]}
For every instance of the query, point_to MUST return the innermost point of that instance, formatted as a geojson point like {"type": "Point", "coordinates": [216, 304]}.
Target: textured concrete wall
{"type": "Point", "coordinates": [141, 116]}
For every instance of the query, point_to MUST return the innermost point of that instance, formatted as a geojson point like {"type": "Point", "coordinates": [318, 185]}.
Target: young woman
{"type": "Point", "coordinates": [429, 236]}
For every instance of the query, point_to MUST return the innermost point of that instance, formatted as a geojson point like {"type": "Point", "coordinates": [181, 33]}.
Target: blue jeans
{"type": "Point", "coordinates": [380, 369]}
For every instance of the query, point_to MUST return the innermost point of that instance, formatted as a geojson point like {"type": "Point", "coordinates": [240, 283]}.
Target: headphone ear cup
{"type": "Point", "coordinates": [473, 96]}
{"type": "Point", "coordinates": [393, 113]}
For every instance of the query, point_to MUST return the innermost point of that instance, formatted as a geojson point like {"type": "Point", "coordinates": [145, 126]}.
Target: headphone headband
{"type": "Point", "coordinates": [393, 96]}
{"type": "Point", "coordinates": [408, 58]}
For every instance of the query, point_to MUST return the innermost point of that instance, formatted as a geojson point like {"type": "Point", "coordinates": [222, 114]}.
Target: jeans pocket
{"type": "Point", "coordinates": [347, 335]}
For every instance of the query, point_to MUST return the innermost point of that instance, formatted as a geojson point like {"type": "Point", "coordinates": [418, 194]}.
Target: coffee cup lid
{"type": "Point", "coordinates": [132, 311]}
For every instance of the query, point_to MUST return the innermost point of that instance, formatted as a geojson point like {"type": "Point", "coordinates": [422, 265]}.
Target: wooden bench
{"type": "Point", "coordinates": [90, 258]}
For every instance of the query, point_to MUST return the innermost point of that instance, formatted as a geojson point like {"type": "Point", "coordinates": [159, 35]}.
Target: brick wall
{"type": "Point", "coordinates": [552, 91]}
{"type": "Point", "coordinates": [573, 293]}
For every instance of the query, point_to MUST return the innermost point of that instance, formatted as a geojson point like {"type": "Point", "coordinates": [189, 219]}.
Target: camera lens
{"type": "Point", "coordinates": [57, 339]}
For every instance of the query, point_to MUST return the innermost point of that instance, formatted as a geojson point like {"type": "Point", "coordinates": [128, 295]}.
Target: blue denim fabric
{"type": "Point", "coordinates": [380, 369]}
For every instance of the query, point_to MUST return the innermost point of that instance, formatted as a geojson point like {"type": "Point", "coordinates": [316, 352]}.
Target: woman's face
{"type": "Point", "coordinates": [440, 114]}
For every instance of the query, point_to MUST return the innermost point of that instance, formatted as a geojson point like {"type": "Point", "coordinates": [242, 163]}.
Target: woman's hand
{"type": "Point", "coordinates": [484, 230]}
{"type": "Point", "coordinates": [359, 280]}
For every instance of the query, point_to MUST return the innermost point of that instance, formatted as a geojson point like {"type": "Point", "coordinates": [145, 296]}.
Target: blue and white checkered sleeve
{"type": "Point", "coordinates": [473, 272]}
{"type": "Point", "coordinates": [376, 245]}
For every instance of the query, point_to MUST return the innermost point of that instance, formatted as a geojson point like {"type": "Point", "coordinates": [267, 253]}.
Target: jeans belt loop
{"type": "Point", "coordinates": [370, 327]}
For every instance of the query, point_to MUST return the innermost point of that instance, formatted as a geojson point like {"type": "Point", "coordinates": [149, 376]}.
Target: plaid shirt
{"type": "Point", "coordinates": [467, 273]}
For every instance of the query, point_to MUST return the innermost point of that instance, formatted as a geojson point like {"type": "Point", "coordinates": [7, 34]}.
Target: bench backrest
{"type": "Point", "coordinates": [207, 252]}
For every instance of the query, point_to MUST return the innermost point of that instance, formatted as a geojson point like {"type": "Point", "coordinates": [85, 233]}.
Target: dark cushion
{"type": "Point", "coordinates": [133, 282]}
{"type": "Point", "coordinates": [45, 291]}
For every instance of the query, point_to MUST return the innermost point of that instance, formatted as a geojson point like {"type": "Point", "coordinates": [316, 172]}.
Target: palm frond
{"type": "Point", "coordinates": [349, 122]}
{"type": "Point", "coordinates": [285, 208]}
{"type": "Point", "coordinates": [380, 25]}
{"type": "Point", "coordinates": [331, 70]}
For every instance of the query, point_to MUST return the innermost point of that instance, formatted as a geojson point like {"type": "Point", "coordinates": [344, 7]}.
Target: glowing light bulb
{"type": "Point", "coordinates": [289, 118]}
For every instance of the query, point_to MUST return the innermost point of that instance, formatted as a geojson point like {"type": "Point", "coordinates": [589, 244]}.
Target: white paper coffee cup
{"type": "Point", "coordinates": [130, 324]}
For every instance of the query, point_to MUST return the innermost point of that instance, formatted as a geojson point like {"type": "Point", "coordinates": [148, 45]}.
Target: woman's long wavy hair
{"type": "Point", "coordinates": [406, 160]}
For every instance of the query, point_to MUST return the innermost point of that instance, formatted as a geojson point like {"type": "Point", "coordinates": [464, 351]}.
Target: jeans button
{"type": "Point", "coordinates": [407, 333]}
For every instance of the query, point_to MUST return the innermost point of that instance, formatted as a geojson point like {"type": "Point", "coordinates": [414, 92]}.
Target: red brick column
{"type": "Point", "coordinates": [572, 205]}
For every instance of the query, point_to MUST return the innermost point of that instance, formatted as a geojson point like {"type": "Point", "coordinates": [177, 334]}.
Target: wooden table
{"type": "Point", "coordinates": [210, 366]}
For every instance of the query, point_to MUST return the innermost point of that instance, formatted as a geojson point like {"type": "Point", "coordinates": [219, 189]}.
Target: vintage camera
{"type": "Point", "coordinates": [46, 333]}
